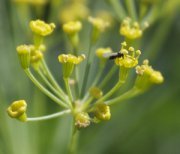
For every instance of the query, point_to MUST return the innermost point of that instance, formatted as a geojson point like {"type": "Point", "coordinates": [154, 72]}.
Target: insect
{"type": "Point", "coordinates": [115, 55]}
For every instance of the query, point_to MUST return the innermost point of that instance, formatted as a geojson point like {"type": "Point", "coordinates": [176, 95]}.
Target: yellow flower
{"type": "Point", "coordinates": [130, 30]}
{"type": "Point", "coordinates": [74, 11]}
{"type": "Point", "coordinates": [41, 28]}
{"type": "Point", "coordinates": [68, 62]}
{"type": "Point", "coordinates": [147, 76]}
{"type": "Point", "coordinates": [130, 58]}
{"type": "Point", "coordinates": [68, 58]}
{"type": "Point", "coordinates": [99, 23]}
{"type": "Point", "coordinates": [72, 27]}
{"type": "Point", "coordinates": [18, 110]}
{"type": "Point", "coordinates": [82, 120]}
{"type": "Point", "coordinates": [102, 112]}
{"type": "Point", "coordinates": [24, 55]}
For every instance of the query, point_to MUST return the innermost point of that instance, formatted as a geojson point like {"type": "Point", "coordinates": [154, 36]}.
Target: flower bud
{"type": "Point", "coordinates": [18, 110]}
{"type": "Point", "coordinates": [95, 92]}
{"type": "Point", "coordinates": [82, 120]}
{"type": "Point", "coordinates": [102, 112]}
{"type": "Point", "coordinates": [24, 55]}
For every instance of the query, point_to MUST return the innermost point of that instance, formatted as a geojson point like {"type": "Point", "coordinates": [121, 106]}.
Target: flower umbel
{"type": "Point", "coordinates": [130, 30]}
{"type": "Point", "coordinates": [69, 61]}
{"type": "Point", "coordinates": [41, 28]}
{"type": "Point", "coordinates": [147, 76]}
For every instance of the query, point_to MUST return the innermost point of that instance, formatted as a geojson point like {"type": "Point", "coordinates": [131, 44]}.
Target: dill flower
{"type": "Point", "coordinates": [128, 60]}
{"type": "Point", "coordinates": [69, 61]}
{"type": "Point", "coordinates": [147, 76]}
{"type": "Point", "coordinates": [130, 30]}
{"type": "Point", "coordinates": [99, 23]}
{"type": "Point", "coordinates": [24, 55]}
{"type": "Point", "coordinates": [41, 28]}
{"type": "Point", "coordinates": [74, 11]}
{"type": "Point", "coordinates": [72, 27]}
{"type": "Point", "coordinates": [102, 112]}
{"type": "Point", "coordinates": [82, 120]}
{"type": "Point", "coordinates": [18, 110]}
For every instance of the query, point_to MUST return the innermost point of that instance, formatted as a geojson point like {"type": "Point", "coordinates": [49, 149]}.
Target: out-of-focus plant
{"type": "Point", "coordinates": [90, 103]}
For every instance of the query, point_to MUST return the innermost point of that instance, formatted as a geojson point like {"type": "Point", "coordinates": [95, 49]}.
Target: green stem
{"type": "Point", "coordinates": [51, 78]}
{"type": "Point", "coordinates": [50, 86]}
{"type": "Point", "coordinates": [131, 9]}
{"type": "Point", "coordinates": [129, 94]}
{"type": "Point", "coordinates": [74, 139]}
{"type": "Point", "coordinates": [51, 116]}
{"type": "Point", "coordinates": [66, 81]}
{"type": "Point", "coordinates": [121, 13]}
{"type": "Point", "coordinates": [44, 90]}
{"type": "Point", "coordinates": [108, 76]}
{"type": "Point", "coordinates": [111, 92]}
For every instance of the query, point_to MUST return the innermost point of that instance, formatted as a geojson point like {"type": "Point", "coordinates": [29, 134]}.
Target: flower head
{"type": "Point", "coordinates": [147, 76]}
{"type": "Point", "coordinates": [99, 23]}
{"type": "Point", "coordinates": [102, 112]}
{"type": "Point", "coordinates": [72, 27]}
{"type": "Point", "coordinates": [41, 28]}
{"type": "Point", "coordinates": [82, 120]}
{"type": "Point", "coordinates": [130, 30]}
{"type": "Point", "coordinates": [130, 58]}
{"type": "Point", "coordinates": [18, 110]}
{"type": "Point", "coordinates": [24, 55]}
{"type": "Point", "coordinates": [69, 61]}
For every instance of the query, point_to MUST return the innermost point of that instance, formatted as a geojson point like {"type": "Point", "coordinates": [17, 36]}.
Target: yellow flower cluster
{"type": "Point", "coordinates": [41, 28]}
{"type": "Point", "coordinates": [130, 30]}
{"type": "Point", "coordinates": [102, 112]}
{"type": "Point", "coordinates": [148, 72]}
{"type": "Point", "coordinates": [82, 120]}
{"type": "Point", "coordinates": [99, 23]}
{"type": "Point", "coordinates": [74, 11]}
{"type": "Point", "coordinates": [18, 110]}
{"type": "Point", "coordinates": [72, 27]}
{"type": "Point", "coordinates": [129, 58]}
{"type": "Point", "coordinates": [68, 58]}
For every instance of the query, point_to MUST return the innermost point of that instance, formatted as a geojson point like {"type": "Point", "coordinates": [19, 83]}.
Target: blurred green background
{"type": "Point", "coordinates": [144, 125]}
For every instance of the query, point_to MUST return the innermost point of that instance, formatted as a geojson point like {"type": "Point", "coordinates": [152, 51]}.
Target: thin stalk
{"type": "Point", "coordinates": [74, 139]}
{"type": "Point", "coordinates": [118, 8]}
{"type": "Point", "coordinates": [66, 81]}
{"type": "Point", "coordinates": [51, 116]}
{"type": "Point", "coordinates": [51, 78]}
{"type": "Point", "coordinates": [131, 9]}
{"type": "Point", "coordinates": [111, 92]}
{"type": "Point", "coordinates": [87, 69]}
{"type": "Point", "coordinates": [108, 77]}
{"type": "Point", "coordinates": [43, 89]}
{"type": "Point", "coordinates": [51, 87]}
{"type": "Point", "coordinates": [129, 94]}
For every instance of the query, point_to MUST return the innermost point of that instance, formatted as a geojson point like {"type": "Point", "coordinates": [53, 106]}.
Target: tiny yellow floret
{"type": "Point", "coordinates": [130, 30]}
{"type": "Point", "coordinates": [95, 92]}
{"type": "Point", "coordinates": [72, 27]}
{"type": "Point", "coordinates": [18, 110]}
{"type": "Point", "coordinates": [41, 28]}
